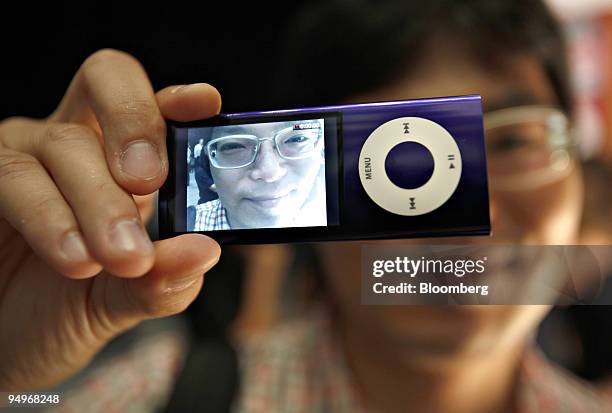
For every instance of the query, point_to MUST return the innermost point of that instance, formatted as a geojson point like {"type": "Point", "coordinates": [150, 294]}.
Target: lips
{"type": "Point", "coordinates": [268, 197]}
{"type": "Point", "coordinates": [268, 200]}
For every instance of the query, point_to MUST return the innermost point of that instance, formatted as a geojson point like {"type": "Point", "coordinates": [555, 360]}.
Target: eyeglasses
{"type": "Point", "coordinates": [527, 147]}
{"type": "Point", "coordinates": [239, 151]}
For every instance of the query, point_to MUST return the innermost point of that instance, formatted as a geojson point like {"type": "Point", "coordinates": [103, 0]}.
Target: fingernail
{"type": "Point", "coordinates": [185, 87]}
{"type": "Point", "coordinates": [180, 285]}
{"type": "Point", "coordinates": [141, 160]}
{"type": "Point", "coordinates": [129, 236]}
{"type": "Point", "coordinates": [74, 248]}
{"type": "Point", "coordinates": [178, 88]}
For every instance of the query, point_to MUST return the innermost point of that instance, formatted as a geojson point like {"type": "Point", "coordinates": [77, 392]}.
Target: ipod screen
{"type": "Point", "coordinates": [273, 174]}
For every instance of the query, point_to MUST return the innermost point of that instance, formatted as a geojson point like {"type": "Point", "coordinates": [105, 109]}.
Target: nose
{"type": "Point", "coordinates": [268, 165]}
{"type": "Point", "coordinates": [505, 213]}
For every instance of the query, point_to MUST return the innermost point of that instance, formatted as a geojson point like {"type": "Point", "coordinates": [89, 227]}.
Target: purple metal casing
{"type": "Point", "coordinates": [465, 213]}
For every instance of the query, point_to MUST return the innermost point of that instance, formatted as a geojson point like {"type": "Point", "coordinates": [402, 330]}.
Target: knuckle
{"type": "Point", "coordinates": [43, 207]}
{"type": "Point", "coordinates": [68, 133]}
{"type": "Point", "coordinates": [16, 165]}
{"type": "Point", "coordinates": [47, 209]}
{"type": "Point", "coordinates": [11, 120]}
{"type": "Point", "coordinates": [106, 56]}
{"type": "Point", "coordinates": [9, 126]}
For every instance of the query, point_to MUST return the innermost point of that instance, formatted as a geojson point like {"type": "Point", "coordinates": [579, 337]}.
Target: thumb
{"type": "Point", "coordinates": [168, 288]}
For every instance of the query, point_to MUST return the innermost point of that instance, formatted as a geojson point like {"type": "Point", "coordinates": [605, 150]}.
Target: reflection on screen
{"type": "Point", "coordinates": [257, 175]}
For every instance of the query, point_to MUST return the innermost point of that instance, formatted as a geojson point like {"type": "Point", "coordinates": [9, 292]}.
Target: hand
{"type": "Point", "coordinates": [76, 265]}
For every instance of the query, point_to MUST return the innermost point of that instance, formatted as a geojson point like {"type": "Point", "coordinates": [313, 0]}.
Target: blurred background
{"type": "Point", "coordinates": [43, 49]}
{"type": "Point", "coordinates": [588, 28]}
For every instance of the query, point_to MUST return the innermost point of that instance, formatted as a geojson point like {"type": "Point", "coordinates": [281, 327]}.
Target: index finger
{"type": "Point", "coordinates": [115, 87]}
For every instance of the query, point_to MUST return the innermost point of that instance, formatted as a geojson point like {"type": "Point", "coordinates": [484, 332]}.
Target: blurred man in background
{"type": "Point", "coordinates": [351, 357]}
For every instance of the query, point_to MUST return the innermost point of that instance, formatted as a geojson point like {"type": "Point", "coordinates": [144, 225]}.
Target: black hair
{"type": "Point", "coordinates": [339, 48]}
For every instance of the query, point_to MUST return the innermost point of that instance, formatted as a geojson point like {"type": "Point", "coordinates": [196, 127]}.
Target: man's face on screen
{"type": "Point", "coordinates": [272, 189]}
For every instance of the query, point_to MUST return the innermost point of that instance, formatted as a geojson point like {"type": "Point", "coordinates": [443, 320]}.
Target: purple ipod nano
{"type": "Point", "coordinates": [401, 169]}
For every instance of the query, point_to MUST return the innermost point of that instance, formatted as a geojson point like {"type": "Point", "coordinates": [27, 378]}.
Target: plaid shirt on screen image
{"type": "Point", "coordinates": [211, 216]}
